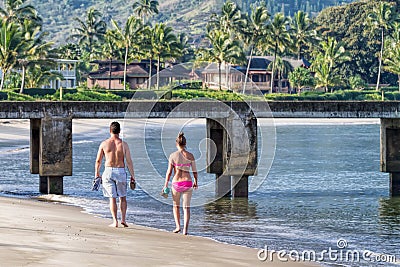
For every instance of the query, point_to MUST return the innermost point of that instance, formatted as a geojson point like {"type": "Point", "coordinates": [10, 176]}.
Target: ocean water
{"type": "Point", "coordinates": [324, 186]}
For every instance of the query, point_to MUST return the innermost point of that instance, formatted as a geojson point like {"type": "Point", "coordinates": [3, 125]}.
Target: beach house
{"type": "Point", "coordinates": [67, 68]}
{"type": "Point", "coordinates": [110, 74]}
{"type": "Point", "coordinates": [260, 71]}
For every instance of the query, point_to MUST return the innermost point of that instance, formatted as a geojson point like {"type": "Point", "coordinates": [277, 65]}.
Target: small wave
{"type": "Point", "coordinates": [14, 150]}
{"type": "Point", "coordinates": [83, 142]}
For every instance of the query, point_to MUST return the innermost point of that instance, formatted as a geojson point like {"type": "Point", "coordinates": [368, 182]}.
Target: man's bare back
{"type": "Point", "coordinates": [115, 152]}
{"type": "Point", "coordinates": [113, 149]}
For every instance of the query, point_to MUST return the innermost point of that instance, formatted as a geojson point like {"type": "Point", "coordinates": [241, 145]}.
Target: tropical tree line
{"type": "Point", "coordinates": [25, 53]}
{"type": "Point", "coordinates": [235, 36]}
{"type": "Point", "coordinates": [137, 38]}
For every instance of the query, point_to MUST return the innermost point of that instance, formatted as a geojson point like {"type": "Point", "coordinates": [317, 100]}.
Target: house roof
{"type": "Point", "coordinates": [258, 63]}
{"type": "Point", "coordinates": [138, 71]}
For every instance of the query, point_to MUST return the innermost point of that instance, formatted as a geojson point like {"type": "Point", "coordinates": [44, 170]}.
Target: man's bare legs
{"type": "Point", "coordinates": [113, 209]}
{"type": "Point", "coordinates": [176, 201]}
{"type": "Point", "coordinates": [124, 206]}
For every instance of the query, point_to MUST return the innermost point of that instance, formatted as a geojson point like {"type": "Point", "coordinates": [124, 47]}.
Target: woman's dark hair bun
{"type": "Point", "coordinates": [181, 140]}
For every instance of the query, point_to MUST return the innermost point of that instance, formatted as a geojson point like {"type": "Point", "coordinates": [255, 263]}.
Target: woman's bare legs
{"type": "Point", "coordinates": [186, 197]}
{"type": "Point", "coordinates": [176, 201]}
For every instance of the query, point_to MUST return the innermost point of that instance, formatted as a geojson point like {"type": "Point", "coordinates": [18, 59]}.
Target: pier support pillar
{"type": "Point", "coordinates": [395, 184]}
{"type": "Point", "coordinates": [215, 157]}
{"type": "Point", "coordinates": [51, 152]}
{"type": "Point", "coordinates": [240, 186]}
{"type": "Point", "coordinates": [232, 151]}
{"type": "Point", "coordinates": [43, 184]}
{"type": "Point", "coordinates": [34, 145]}
{"type": "Point", "coordinates": [222, 186]}
{"type": "Point", "coordinates": [51, 185]}
{"type": "Point", "coordinates": [390, 152]}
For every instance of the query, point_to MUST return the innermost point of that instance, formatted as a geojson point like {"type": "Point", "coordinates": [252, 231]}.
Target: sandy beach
{"type": "Point", "coordinates": [38, 233]}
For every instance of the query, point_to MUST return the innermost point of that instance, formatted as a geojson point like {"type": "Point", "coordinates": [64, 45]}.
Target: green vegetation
{"type": "Point", "coordinates": [183, 15]}
{"type": "Point", "coordinates": [348, 46]}
{"type": "Point", "coordinates": [197, 94]}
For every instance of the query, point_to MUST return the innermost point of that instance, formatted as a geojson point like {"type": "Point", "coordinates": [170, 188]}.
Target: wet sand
{"type": "Point", "coordinates": [38, 233]}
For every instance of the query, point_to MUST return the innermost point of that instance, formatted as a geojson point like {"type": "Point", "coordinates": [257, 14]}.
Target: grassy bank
{"type": "Point", "coordinates": [187, 94]}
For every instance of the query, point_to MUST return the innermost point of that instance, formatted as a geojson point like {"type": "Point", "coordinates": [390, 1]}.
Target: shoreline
{"type": "Point", "coordinates": [46, 233]}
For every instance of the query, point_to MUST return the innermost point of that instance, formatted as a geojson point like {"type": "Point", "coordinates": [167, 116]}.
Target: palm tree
{"type": "Point", "coordinates": [12, 43]}
{"type": "Point", "coordinates": [223, 49]}
{"type": "Point", "coordinates": [164, 44]}
{"type": "Point", "coordinates": [334, 52]}
{"type": "Point", "coordinates": [300, 78]}
{"type": "Point", "coordinates": [69, 51]}
{"type": "Point", "coordinates": [325, 65]}
{"type": "Point", "coordinates": [90, 31]}
{"type": "Point", "coordinates": [35, 51]}
{"type": "Point", "coordinates": [127, 37]}
{"type": "Point", "coordinates": [145, 8]}
{"type": "Point", "coordinates": [302, 32]}
{"type": "Point", "coordinates": [391, 57]}
{"type": "Point", "coordinates": [278, 38]}
{"type": "Point", "coordinates": [382, 18]}
{"type": "Point", "coordinates": [109, 50]}
{"type": "Point", "coordinates": [17, 11]}
{"type": "Point", "coordinates": [230, 19]}
{"type": "Point", "coordinates": [324, 76]}
{"type": "Point", "coordinates": [256, 26]}
{"type": "Point", "coordinates": [282, 67]}
{"type": "Point", "coordinates": [39, 75]}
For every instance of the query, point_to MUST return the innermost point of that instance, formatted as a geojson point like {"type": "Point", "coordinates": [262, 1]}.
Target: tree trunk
{"type": "Point", "coordinates": [21, 91]}
{"type": "Point", "coordinates": [150, 69]}
{"type": "Point", "coordinates": [109, 76]}
{"type": "Point", "coordinates": [280, 81]}
{"type": "Point", "coordinates": [126, 59]}
{"type": "Point", "coordinates": [398, 76]}
{"type": "Point", "coordinates": [248, 69]}
{"type": "Point", "coordinates": [299, 54]}
{"type": "Point", "coordinates": [219, 75]}
{"type": "Point", "coordinates": [158, 72]}
{"type": "Point", "coordinates": [380, 59]}
{"type": "Point", "coordinates": [226, 76]}
{"type": "Point", "coordinates": [273, 68]}
{"type": "Point", "coordinates": [3, 76]}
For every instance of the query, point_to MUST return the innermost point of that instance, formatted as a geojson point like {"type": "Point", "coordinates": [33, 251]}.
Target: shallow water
{"type": "Point", "coordinates": [324, 185]}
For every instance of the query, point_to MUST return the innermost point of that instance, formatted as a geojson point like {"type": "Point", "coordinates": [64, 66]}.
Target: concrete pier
{"type": "Point", "coordinates": [390, 152]}
{"type": "Point", "coordinates": [51, 152]}
{"type": "Point", "coordinates": [234, 137]}
{"type": "Point", "coordinates": [232, 153]}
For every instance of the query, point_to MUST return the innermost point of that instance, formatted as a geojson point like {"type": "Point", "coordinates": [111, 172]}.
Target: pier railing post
{"type": "Point", "coordinates": [390, 152]}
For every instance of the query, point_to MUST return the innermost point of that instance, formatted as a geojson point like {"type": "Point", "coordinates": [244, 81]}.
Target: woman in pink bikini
{"type": "Point", "coordinates": [180, 162]}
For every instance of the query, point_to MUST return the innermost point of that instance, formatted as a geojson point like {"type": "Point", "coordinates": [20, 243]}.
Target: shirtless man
{"type": "Point", "coordinates": [114, 179]}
